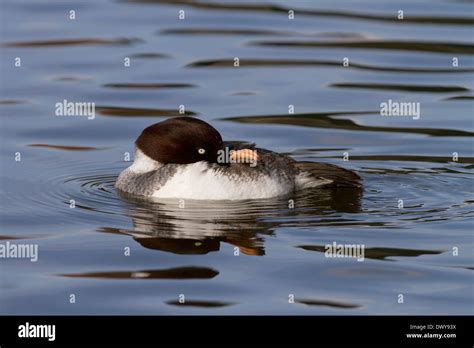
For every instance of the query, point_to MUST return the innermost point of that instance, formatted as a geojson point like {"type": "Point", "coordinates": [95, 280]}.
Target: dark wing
{"type": "Point", "coordinates": [270, 161]}
{"type": "Point", "coordinates": [340, 177]}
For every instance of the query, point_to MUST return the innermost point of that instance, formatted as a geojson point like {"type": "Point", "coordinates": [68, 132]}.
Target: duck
{"type": "Point", "coordinates": [186, 158]}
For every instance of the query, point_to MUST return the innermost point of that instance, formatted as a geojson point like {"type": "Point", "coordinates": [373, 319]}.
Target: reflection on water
{"type": "Point", "coordinates": [378, 253]}
{"type": "Point", "coordinates": [265, 7]}
{"type": "Point", "coordinates": [149, 55]}
{"type": "Point", "coordinates": [148, 85]}
{"type": "Point", "coordinates": [65, 147]}
{"type": "Point", "coordinates": [332, 304]}
{"type": "Point", "coordinates": [140, 112]}
{"type": "Point", "coordinates": [422, 46]}
{"type": "Point", "coordinates": [200, 227]}
{"type": "Point", "coordinates": [124, 255]}
{"type": "Point", "coordinates": [272, 63]}
{"type": "Point", "coordinates": [172, 273]}
{"type": "Point", "coordinates": [199, 303]}
{"type": "Point", "coordinates": [46, 43]}
{"type": "Point", "coordinates": [407, 88]}
{"type": "Point", "coordinates": [327, 120]}
{"type": "Point", "coordinates": [12, 102]}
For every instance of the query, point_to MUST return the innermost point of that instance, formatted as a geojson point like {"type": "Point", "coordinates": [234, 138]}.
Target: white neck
{"type": "Point", "coordinates": [142, 163]}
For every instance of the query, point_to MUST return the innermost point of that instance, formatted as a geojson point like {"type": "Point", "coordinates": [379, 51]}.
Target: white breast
{"type": "Point", "coordinates": [196, 181]}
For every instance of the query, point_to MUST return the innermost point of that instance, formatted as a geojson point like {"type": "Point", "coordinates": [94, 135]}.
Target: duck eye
{"type": "Point", "coordinates": [201, 151]}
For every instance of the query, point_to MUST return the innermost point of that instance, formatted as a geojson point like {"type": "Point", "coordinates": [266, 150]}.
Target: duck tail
{"type": "Point", "coordinates": [328, 175]}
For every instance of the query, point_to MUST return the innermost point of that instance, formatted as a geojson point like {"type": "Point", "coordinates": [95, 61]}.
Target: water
{"type": "Point", "coordinates": [408, 251]}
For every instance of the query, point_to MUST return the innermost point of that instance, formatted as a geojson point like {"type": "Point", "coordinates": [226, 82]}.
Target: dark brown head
{"type": "Point", "coordinates": [181, 140]}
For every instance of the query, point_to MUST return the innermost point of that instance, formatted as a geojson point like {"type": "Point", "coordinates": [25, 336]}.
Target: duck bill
{"type": "Point", "coordinates": [243, 156]}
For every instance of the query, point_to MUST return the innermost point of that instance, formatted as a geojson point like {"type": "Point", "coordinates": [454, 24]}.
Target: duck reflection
{"type": "Point", "coordinates": [199, 227]}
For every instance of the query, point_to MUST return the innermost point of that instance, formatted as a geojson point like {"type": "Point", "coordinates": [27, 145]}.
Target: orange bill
{"type": "Point", "coordinates": [243, 156]}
